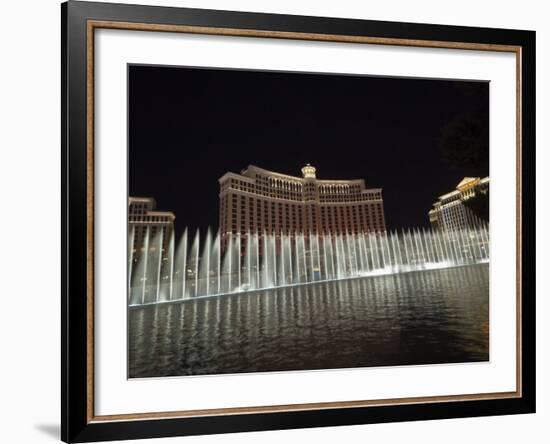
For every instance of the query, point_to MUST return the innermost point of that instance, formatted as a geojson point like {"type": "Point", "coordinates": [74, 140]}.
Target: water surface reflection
{"type": "Point", "coordinates": [438, 316]}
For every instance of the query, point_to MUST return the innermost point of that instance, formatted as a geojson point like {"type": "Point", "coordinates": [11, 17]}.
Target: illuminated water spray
{"type": "Point", "coordinates": [215, 264]}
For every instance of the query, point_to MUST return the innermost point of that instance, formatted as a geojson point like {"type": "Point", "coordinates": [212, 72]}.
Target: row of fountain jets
{"type": "Point", "coordinates": [215, 265]}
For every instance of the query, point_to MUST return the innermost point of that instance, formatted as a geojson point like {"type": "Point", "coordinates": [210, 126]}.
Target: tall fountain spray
{"type": "Point", "coordinates": [223, 264]}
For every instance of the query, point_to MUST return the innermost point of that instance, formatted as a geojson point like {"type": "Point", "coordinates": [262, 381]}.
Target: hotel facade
{"type": "Point", "coordinates": [258, 200]}
{"type": "Point", "coordinates": [146, 224]}
{"type": "Point", "coordinates": [451, 213]}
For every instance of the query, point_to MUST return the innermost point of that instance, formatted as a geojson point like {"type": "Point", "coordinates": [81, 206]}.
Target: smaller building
{"type": "Point", "coordinates": [451, 212]}
{"type": "Point", "coordinates": [145, 221]}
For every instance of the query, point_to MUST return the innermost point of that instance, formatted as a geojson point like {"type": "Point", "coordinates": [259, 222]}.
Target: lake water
{"type": "Point", "coordinates": [427, 317]}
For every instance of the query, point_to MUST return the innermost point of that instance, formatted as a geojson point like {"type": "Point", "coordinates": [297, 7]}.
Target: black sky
{"type": "Point", "coordinates": [189, 126]}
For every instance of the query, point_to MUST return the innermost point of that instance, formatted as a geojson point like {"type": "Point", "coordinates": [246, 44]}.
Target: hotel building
{"type": "Point", "coordinates": [143, 219]}
{"type": "Point", "coordinates": [450, 213]}
{"type": "Point", "coordinates": [258, 200]}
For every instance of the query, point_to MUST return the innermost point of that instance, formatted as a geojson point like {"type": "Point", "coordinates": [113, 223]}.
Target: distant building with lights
{"type": "Point", "coordinates": [450, 211]}
{"type": "Point", "coordinates": [146, 224]}
{"type": "Point", "coordinates": [258, 200]}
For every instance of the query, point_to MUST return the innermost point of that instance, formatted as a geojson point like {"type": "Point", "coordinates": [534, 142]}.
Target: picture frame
{"type": "Point", "coordinates": [80, 21]}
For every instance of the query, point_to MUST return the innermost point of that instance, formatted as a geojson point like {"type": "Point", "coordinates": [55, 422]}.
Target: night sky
{"type": "Point", "coordinates": [189, 126]}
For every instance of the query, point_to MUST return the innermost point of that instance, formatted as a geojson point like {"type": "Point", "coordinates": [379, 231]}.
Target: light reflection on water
{"type": "Point", "coordinates": [438, 316]}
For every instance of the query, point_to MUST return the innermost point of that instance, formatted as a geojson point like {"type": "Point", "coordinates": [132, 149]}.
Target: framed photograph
{"type": "Point", "coordinates": [276, 221]}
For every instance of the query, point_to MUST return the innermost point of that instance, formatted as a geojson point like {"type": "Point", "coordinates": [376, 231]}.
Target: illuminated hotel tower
{"type": "Point", "coordinates": [145, 223]}
{"type": "Point", "coordinates": [259, 200]}
{"type": "Point", "coordinates": [450, 213]}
